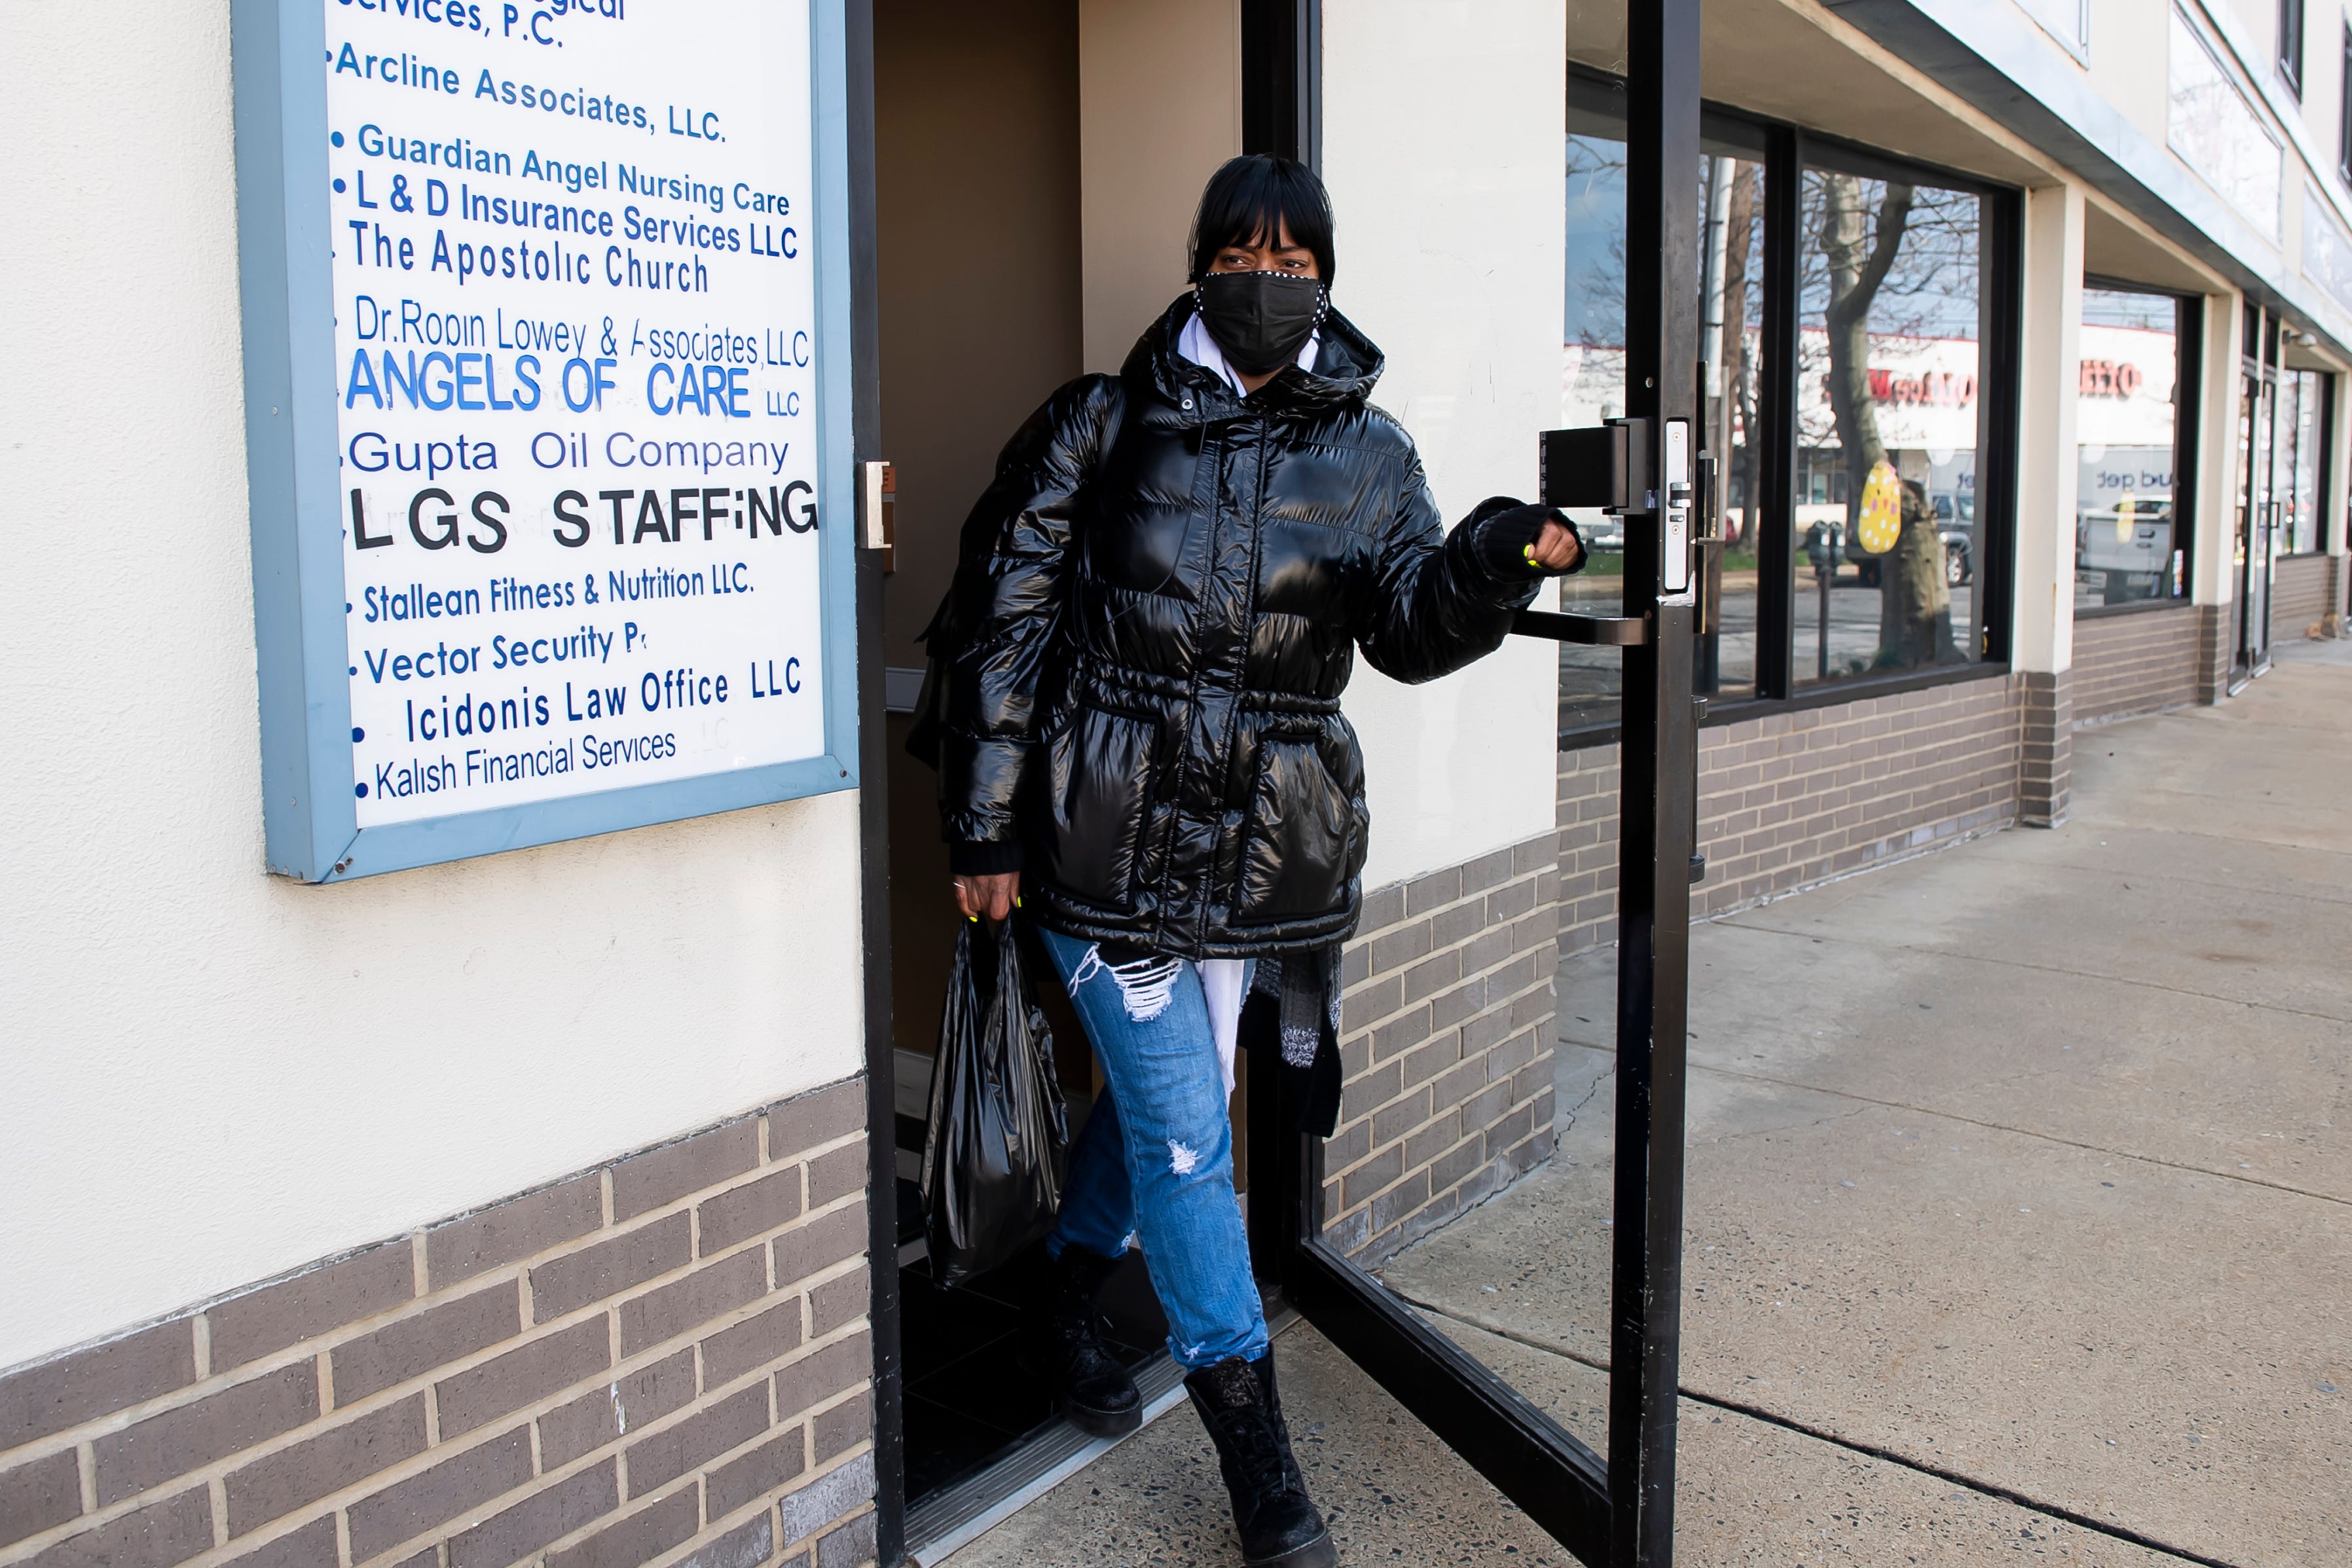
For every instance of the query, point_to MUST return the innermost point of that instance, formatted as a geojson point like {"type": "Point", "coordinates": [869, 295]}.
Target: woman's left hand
{"type": "Point", "coordinates": [1557, 549]}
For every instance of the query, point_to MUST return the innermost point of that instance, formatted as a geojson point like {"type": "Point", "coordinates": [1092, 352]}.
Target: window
{"type": "Point", "coordinates": [2068, 21]}
{"type": "Point", "coordinates": [2343, 111]}
{"type": "Point", "coordinates": [2290, 44]}
{"type": "Point", "coordinates": [1858, 335]}
{"type": "Point", "coordinates": [2215, 129]}
{"type": "Point", "coordinates": [1889, 411]}
{"type": "Point", "coordinates": [2128, 546]}
{"type": "Point", "coordinates": [2302, 430]}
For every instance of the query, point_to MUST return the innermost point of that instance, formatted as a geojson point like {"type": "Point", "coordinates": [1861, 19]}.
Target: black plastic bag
{"type": "Point", "coordinates": [998, 1145]}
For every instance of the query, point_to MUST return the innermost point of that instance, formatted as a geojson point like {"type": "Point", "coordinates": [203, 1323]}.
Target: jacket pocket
{"type": "Point", "coordinates": [1101, 802]}
{"type": "Point", "coordinates": [1299, 838]}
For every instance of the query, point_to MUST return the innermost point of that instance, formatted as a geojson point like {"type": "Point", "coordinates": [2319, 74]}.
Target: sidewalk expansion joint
{"type": "Point", "coordinates": [1866, 1451]}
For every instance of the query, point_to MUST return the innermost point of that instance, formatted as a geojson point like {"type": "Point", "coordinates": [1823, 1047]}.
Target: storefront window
{"type": "Point", "coordinates": [2301, 428]}
{"type": "Point", "coordinates": [1887, 548]}
{"type": "Point", "coordinates": [2126, 422]}
{"type": "Point", "coordinates": [1592, 387]}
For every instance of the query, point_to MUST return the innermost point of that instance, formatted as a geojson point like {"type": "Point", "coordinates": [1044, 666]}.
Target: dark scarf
{"type": "Point", "coordinates": [1293, 1008]}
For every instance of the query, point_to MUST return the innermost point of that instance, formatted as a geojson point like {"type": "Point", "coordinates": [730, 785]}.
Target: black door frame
{"type": "Point", "coordinates": [1618, 1511]}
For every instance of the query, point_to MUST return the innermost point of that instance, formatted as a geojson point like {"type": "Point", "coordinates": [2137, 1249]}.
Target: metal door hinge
{"type": "Point", "coordinates": [877, 509]}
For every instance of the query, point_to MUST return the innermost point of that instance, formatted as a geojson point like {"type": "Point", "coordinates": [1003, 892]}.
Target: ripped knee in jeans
{"type": "Point", "coordinates": [1146, 986]}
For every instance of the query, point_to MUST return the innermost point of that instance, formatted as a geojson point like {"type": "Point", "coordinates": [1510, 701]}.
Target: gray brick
{"type": "Point", "coordinates": [752, 1343]}
{"type": "Point", "coordinates": [1374, 1088]}
{"type": "Point", "coordinates": [1510, 901]}
{"type": "Point", "coordinates": [1355, 964]}
{"type": "Point", "coordinates": [662, 1457]}
{"type": "Point", "coordinates": [1452, 927]}
{"type": "Point", "coordinates": [55, 1395]}
{"type": "Point", "coordinates": [1510, 1132]}
{"type": "Point", "coordinates": [276, 1484]}
{"type": "Point", "coordinates": [195, 1434]}
{"type": "Point", "coordinates": [746, 1546]}
{"type": "Point", "coordinates": [1457, 1163]}
{"type": "Point", "coordinates": [838, 1302]}
{"type": "Point", "coordinates": [637, 1538]}
{"type": "Point", "coordinates": [310, 1304]}
{"type": "Point", "coordinates": [826, 1499]}
{"type": "Point", "coordinates": [456, 1485]}
{"type": "Point", "coordinates": [838, 1174]}
{"type": "Point", "coordinates": [156, 1536]}
{"type": "Point", "coordinates": [1431, 975]}
{"type": "Point", "coordinates": [631, 1401]}
{"type": "Point", "coordinates": [740, 1213]}
{"type": "Point", "coordinates": [39, 1496]}
{"type": "Point", "coordinates": [842, 1427]}
{"type": "Point", "coordinates": [644, 1182]}
{"type": "Point", "coordinates": [1433, 1057]}
{"type": "Point", "coordinates": [1486, 1107]}
{"type": "Point", "coordinates": [1486, 870]}
{"type": "Point", "coordinates": [1439, 887]}
{"type": "Point", "coordinates": [824, 1372]}
{"type": "Point", "coordinates": [1458, 1084]}
{"type": "Point", "coordinates": [1383, 909]}
{"type": "Point", "coordinates": [1394, 1121]}
{"type": "Point", "coordinates": [1351, 1143]}
{"type": "Point", "coordinates": [1397, 949]}
{"type": "Point", "coordinates": [513, 1230]}
{"type": "Point", "coordinates": [414, 1346]}
{"type": "Point", "coordinates": [684, 1305]}
{"type": "Point", "coordinates": [1400, 1200]}
{"type": "Point", "coordinates": [1373, 1175]}
{"type": "Point", "coordinates": [819, 1244]}
{"type": "Point", "coordinates": [567, 1283]}
{"type": "Point", "coordinates": [819, 1116]}
{"type": "Point", "coordinates": [741, 1481]}
{"type": "Point", "coordinates": [847, 1546]}
{"type": "Point", "coordinates": [1400, 1033]}
{"type": "Point", "coordinates": [547, 1515]}
{"type": "Point", "coordinates": [311, 1546]}
{"type": "Point", "coordinates": [478, 1395]}
{"type": "Point", "coordinates": [1349, 1233]}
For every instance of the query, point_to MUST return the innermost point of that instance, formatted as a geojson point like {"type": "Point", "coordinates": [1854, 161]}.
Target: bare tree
{"type": "Point", "coordinates": [1859, 251]}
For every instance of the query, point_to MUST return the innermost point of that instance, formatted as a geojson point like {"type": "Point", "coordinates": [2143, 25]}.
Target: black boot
{"type": "Point", "coordinates": [1279, 1528]}
{"type": "Point", "coordinates": [1093, 1390]}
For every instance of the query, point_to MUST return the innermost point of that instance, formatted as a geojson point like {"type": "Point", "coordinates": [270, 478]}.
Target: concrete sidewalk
{"type": "Point", "coordinates": [2020, 1210]}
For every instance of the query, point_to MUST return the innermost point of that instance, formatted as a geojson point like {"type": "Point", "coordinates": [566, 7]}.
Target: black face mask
{"type": "Point", "coordinates": [1261, 319]}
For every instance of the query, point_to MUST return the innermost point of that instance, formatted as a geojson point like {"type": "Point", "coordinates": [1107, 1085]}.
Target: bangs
{"type": "Point", "coordinates": [1250, 199]}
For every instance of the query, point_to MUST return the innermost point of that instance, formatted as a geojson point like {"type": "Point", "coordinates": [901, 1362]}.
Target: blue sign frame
{"type": "Point", "coordinates": [286, 288]}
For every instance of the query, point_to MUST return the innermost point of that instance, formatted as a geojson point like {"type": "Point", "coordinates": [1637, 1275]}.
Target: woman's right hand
{"type": "Point", "coordinates": [994, 896]}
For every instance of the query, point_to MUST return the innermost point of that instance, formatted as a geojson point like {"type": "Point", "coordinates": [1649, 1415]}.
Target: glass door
{"type": "Point", "coordinates": [2257, 519]}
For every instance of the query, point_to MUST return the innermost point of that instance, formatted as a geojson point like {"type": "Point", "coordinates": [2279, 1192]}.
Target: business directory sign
{"type": "Point", "coordinates": [574, 325]}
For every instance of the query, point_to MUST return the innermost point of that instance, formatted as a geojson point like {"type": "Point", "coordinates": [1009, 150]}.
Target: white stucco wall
{"type": "Point", "coordinates": [1441, 135]}
{"type": "Point", "coordinates": [211, 1075]}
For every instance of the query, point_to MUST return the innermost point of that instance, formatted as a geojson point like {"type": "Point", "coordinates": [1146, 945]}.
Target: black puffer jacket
{"type": "Point", "coordinates": [1137, 674]}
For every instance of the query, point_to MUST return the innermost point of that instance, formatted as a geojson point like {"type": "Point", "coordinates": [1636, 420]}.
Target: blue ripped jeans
{"type": "Point", "coordinates": [1155, 1160]}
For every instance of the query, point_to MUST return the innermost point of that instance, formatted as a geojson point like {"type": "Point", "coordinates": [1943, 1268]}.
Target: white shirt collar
{"type": "Point", "coordinates": [1195, 344]}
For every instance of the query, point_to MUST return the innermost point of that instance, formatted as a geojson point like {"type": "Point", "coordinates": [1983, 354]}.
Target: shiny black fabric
{"type": "Point", "coordinates": [1156, 604]}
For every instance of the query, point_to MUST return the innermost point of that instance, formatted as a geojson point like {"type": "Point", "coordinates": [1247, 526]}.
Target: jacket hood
{"type": "Point", "coordinates": [1345, 366]}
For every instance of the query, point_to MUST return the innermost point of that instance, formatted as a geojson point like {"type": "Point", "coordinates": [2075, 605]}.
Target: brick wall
{"type": "Point", "coordinates": [2215, 652]}
{"type": "Point", "coordinates": [1792, 799]}
{"type": "Point", "coordinates": [1447, 1039]}
{"type": "Point", "coordinates": [662, 1361]}
{"type": "Point", "coordinates": [2142, 663]}
{"type": "Point", "coordinates": [2305, 588]}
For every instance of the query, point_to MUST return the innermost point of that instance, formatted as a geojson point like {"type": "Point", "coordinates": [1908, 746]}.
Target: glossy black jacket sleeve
{"type": "Point", "coordinates": [1007, 599]}
{"type": "Point", "coordinates": [1438, 607]}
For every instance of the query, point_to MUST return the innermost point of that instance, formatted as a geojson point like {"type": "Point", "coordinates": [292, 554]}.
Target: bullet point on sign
{"type": "Point", "coordinates": [334, 138]}
{"type": "Point", "coordinates": [358, 734]}
{"type": "Point", "coordinates": [339, 187]}
{"type": "Point", "coordinates": [347, 610]}
{"type": "Point", "coordinates": [355, 669]}
{"type": "Point", "coordinates": [361, 790]}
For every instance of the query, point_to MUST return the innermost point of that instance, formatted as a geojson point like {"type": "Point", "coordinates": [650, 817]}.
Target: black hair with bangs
{"type": "Point", "coordinates": [1250, 200]}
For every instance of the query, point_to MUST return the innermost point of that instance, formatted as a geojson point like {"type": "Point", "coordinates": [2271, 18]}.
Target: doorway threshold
{"type": "Point", "coordinates": [958, 1515]}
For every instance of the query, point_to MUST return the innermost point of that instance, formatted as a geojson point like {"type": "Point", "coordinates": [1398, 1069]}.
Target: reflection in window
{"type": "Point", "coordinates": [2125, 419]}
{"type": "Point", "coordinates": [2296, 486]}
{"type": "Point", "coordinates": [1731, 284]}
{"type": "Point", "coordinates": [2217, 132]}
{"type": "Point", "coordinates": [1593, 382]}
{"type": "Point", "coordinates": [1592, 388]}
{"type": "Point", "coordinates": [1886, 543]}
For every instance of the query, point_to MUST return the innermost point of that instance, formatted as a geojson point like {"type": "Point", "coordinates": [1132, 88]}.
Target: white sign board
{"type": "Point", "coordinates": [574, 325]}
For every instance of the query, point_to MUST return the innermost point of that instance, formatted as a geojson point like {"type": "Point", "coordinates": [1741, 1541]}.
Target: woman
{"type": "Point", "coordinates": [1155, 609]}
